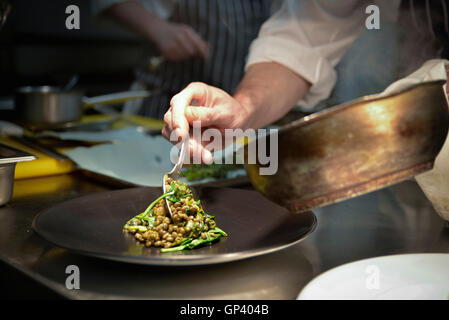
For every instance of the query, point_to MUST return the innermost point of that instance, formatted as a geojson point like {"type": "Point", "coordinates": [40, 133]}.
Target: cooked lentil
{"type": "Point", "coordinates": [189, 227]}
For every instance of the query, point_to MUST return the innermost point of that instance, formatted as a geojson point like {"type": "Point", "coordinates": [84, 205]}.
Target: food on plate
{"type": "Point", "coordinates": [188, 228]}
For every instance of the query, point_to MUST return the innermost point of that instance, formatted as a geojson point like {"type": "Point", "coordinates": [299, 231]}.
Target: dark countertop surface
{"type": "Point", "coordinates": [394, 220]}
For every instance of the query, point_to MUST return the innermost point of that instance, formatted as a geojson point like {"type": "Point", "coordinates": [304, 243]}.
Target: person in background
{"type": "Point", "coordinates": [293, 62]}
{"type": "Point", "coordinates": [198, 40]}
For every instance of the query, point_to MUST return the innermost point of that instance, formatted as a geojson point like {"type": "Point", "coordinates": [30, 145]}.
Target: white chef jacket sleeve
{"type": "Point", "coordinates": [310, 37]}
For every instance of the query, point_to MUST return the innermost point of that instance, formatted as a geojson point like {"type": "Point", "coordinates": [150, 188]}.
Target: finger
{"type": "Point", "coordinates": [186, 45]}
{"type": "Point", "coordinates": [194, 151]}
{"type": "Point", "coordinates": [166, 132]}
{"type": "Point", "coordinates": [199, 153]}
{"type": "Point", "coordinates": [168, 119]}
{"type": "Point", "coordinates": [200, 45]}
{"type": "Point", "coordinates": [206, 156]}
{"type": "Point", "coordinates": [207, 116]}
{"type": "Point", "coordinates": [180, 102]}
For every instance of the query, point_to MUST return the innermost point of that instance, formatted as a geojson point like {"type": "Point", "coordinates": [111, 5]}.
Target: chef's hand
{"type": "Point", "coordinates": [175, 41]}
{"type": "Point", "coordinates": [178, 42]}
{"type": "Point", "coordinates": [267, 92]}
{"type": "Point", "coordinates": [212, 107]}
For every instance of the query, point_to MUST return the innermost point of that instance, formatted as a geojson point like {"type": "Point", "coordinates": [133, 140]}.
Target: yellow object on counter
{"type": "Point", "coordinates": [46, 165]}
{"type": "Point", "coordinates": [125, 120]}
{"type": "Point", "coordinates": [43, 166]}
{"type": "Point", "coordinates": [41, 186]}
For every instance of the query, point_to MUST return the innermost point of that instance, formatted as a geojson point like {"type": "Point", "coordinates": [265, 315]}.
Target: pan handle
{"type": "Point", "coordinates": [115, 98]}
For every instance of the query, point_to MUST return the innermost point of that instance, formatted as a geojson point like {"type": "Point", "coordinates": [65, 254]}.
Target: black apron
{"type": "Point", "coordinates": [229, 26]}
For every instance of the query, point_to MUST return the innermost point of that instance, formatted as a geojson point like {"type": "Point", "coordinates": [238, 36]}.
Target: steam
{"type": "Point", "coordinates": [422, 32]}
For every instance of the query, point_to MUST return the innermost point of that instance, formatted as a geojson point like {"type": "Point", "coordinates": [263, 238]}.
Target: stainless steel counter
{"type": "Point", "coordinates": [395, 220]}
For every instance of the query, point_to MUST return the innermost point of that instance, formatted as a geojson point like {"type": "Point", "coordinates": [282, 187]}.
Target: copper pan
{"type": "Point", "coordinates": [356, 148]}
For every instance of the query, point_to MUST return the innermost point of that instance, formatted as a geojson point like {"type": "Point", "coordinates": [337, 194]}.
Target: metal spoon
{"type": "Point", "coordinates": [174, 173]}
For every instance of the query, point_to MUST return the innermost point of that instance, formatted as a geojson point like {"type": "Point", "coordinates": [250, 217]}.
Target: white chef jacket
{"type": "Point", "coordinates": [311, 36]}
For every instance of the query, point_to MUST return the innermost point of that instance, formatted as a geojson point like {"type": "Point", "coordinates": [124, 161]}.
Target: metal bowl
{"type": "Point", "coordinates": [6, 182]}
{"type": "Point", "coordinates": [355, 148]}
{"type": "Point", "coordinates": [8, 159]}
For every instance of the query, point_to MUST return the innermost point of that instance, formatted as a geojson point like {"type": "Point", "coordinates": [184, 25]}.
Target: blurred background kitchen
{"type": "Point", "coordinates": [114, 51]}
{"type": "Point", "coordinates": [49, 71]}
{"type": "Point", "coordinates": [117, 50]}
{"type": "Point", "coordinates": [37, 49]}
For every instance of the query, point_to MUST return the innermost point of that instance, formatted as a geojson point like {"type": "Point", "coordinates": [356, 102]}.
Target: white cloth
{"type": "Point", "coordinates": [310, 37]}
{"type": "Point", "coordinates": [431, 70]}
{"type": "Point", "coordinates": [162, 8]}
{"type": "Point", "coordinates": [434, 183]}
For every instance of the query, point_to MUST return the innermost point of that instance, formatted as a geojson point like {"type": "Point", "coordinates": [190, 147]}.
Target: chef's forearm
{"type": "Point", "coordinates": [133, 16]}
{"type": "Point", "coordinates": [268, 91]}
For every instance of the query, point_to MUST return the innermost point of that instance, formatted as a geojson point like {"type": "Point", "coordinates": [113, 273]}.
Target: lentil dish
{"type": "Point", "coordinates": [188, 228]}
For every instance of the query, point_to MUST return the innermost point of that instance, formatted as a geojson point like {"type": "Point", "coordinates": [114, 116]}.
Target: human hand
{"type": "Point", "coordinates": [212, 107]}
{"type": "Point", "coordinates": [178, 42]}
{"type": "Point", "coordinates": [175, 41]}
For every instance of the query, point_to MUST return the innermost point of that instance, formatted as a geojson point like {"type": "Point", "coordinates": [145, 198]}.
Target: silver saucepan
{"type": "Point", "coordinates": [45, 107]}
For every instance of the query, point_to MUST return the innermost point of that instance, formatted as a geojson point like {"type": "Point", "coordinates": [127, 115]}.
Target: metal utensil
{"type": "Point", "coordinates": [92, 126]}
{"type": "Point", "coordinates": [174, 173]}
{"type": "Point", "coordinates": [108, 110]}
{"type": "Point", "coordinates": [355, 148]}
{"type": "Point", "coordinates": [36, 145]}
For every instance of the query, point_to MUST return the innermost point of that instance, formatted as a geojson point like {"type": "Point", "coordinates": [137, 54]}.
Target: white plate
{"type": "Point", "coordinates": [407, 276]}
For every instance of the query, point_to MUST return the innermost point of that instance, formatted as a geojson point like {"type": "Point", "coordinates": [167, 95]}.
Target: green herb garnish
{"type": "Point", "coordinates": [190, 226]}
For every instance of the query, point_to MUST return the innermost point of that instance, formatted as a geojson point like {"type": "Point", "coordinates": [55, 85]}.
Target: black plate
{"type": "Point", "coordinates": [92, 225]}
